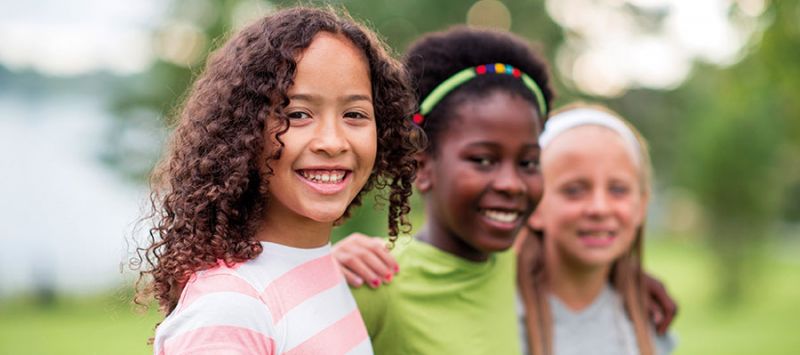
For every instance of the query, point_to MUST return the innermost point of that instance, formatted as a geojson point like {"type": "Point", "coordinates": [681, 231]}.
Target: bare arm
{"type": "Point", "coordinates": [661, 306]}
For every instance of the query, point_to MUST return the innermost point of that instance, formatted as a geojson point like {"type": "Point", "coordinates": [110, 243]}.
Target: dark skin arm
{"type": "Point", "coordinates": [661, 307]}
{"type": "Point", "coordinates": [365, 260]}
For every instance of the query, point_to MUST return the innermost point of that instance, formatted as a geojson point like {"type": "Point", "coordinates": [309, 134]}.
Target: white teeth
{"type": "Point", "coordinates": [598, 234]}
{"type": "Point", "coordinates": [331, 177]}
{"type": "Point", "coordinates": [501, 216]}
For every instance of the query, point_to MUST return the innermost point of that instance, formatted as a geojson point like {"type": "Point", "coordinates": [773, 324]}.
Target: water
{"type": "Point", "coordinates": [64, 216]}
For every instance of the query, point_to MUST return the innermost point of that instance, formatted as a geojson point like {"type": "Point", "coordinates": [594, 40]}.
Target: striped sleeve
{"type": "Point", "coordinates": [218, 314]}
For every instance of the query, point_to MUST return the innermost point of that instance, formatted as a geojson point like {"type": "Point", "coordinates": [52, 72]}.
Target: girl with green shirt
{"type": "Point", "coordinates": [484, 97]}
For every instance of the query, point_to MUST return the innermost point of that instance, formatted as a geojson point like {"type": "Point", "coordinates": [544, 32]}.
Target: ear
{"type": "Point", "coordinates": [424, 181]}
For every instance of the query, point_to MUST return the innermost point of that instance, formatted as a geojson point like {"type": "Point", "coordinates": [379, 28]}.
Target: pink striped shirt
{"type": "Point", "coordinates": [286, 301]}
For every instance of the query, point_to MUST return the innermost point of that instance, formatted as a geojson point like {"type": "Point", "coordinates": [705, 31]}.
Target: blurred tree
{"type": "Point", "coordinates": [740, 144]}
{"type": "Point", "coordinates": [730, 136]}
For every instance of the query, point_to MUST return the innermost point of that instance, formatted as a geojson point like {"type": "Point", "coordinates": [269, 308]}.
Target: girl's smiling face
{"type": "Point", "coordinates": [594, 200]}
{"type": "Point", "coordinates": [483, 181]}
{"type": "Point", "coordinates": [330, 146]}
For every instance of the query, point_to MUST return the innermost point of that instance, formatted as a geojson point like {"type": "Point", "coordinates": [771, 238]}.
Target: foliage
{"type": "Point", "coordinates": [729, 135]}
{"type": "Point", "coordinates": [739, 144]}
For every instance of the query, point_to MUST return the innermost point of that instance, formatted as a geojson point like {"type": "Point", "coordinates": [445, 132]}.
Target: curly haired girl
{"type": "Point", "coordinates": [293, 119]}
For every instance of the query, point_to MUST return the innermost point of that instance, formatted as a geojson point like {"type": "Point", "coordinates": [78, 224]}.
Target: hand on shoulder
{"type": "Point", "coordinates": [365, 259]}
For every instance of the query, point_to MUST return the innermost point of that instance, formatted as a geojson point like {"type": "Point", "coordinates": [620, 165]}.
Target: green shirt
{"type": "Point", "coordinates": [442, 304]}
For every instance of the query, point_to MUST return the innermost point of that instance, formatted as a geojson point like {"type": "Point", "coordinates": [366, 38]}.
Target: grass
{"type": "Point", "coordinates": [765, 322]}
{"type": "Point", "coordinates": [105, 324]}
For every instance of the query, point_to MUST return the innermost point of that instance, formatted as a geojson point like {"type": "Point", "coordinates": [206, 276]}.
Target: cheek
{"type": "Point", "coordinates": [631, 212]}
{"type": "Point", "coordinates": [547, 215]}
{"type": "Point", "coordinates": [557, 207]}
{"type": "Point", "coordinates": [366, 145]}
{"type": "Point", "coordinates": [535, 189]}
{"type": "Point", "coordinates": [459, 190]}
{"type": "Point", "coordinates": [294, 140]}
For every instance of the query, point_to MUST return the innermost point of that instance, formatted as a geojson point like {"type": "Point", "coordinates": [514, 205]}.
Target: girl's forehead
{"type": "Point", "coordinates": [498, 110]}
{"type": "Point", "coordinates": [588, 146]}
{"type": "Point", "coordinates": [589, 140]}
{"type": "Point", "coordinates": [505, 120]}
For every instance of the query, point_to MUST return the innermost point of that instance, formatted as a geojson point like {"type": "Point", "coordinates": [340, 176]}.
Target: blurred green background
{"type": "Point", "coordinates": [88, 91]}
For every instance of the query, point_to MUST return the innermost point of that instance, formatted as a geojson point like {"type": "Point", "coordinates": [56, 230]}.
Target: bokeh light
{"type": "Point", "coordinates": [489, 13]}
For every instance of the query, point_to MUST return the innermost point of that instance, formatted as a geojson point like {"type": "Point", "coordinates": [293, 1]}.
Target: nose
{"type": "Point", "coordinates": [599, 204]}
{"type": "Point", "coordinates": [508, 180]}
{"type": "Point", "coordinates": [329, 137]}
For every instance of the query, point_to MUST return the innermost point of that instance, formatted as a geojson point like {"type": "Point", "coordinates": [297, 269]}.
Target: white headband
{"type": "Point", "coordinates": [569, 119]}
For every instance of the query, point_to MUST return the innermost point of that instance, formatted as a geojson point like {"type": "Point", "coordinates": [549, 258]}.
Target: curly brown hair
{"type": "Point", "coordinates": [209, 191]}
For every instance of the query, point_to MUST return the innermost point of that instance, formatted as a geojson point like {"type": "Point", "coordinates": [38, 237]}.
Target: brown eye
{"type": "Point", "coordinates": [298, 115]}
{"type": "Point", "coordinates": [530, 164]}
{"type": "Point", "coordinates": [356, 115]}
{"type": "Point", "coordinates": [481, 161]}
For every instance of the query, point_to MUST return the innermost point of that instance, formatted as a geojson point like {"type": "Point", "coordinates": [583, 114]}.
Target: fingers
{"type": "Point", "coordinates": [656, 316]}
{"type": "Point", "coordinates": [669, 315]}
{"type": "Point", "coordinates": [364, 260]}
{"type": "Point", "coordinates": [662, 307]}
{"type": "Point", "coordinates": [377, 265]}
{"type": "Point", "coordinates": [361, 269]}
{"type": "Point", "coordinates": [352, 279]}
{"type": "Point", "coordinates": [386, 259]}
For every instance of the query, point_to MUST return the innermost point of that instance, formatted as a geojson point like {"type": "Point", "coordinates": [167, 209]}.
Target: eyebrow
{"type": "Point", "coordinates": [316, 98]}
{"type": "Point", "coordinates": [495, 145]}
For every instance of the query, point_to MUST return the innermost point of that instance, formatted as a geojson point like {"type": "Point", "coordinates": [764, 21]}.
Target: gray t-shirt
{"type": "Point", "coordinates": [601, 328]}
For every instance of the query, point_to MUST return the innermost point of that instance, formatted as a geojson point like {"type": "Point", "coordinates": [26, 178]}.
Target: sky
{"type": "Point", "coordinates": [74, 37]}
{"type": "Point", "coordinates": [611, 49]}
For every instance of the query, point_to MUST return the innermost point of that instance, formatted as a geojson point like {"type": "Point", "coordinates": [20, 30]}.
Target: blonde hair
{"type": "Point", "coordinates": [626, 274]}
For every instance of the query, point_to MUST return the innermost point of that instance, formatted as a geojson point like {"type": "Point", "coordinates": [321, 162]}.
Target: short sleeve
{"type": "Point", "coordinates": [217, 322]}
{"type": "Point", "coordinates": [665, 344]}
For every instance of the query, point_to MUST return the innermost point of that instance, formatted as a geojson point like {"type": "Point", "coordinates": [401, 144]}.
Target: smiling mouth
{"type": "Point", "coordinates": [502, 216]}
{"type": "Point", "coordinates": [597, 238]}
{"type": "Point", "coordinates": [597, 234]}
{"type": "Point", "coordinates": [324, 176]}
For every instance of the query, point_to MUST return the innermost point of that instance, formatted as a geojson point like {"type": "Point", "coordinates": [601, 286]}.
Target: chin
{"type": "Point", "coordinates": [325, 215]}
{"type": "Point", "coordinates": [598, 259]}
{"type": "Point", "coordinates": [497, 245]}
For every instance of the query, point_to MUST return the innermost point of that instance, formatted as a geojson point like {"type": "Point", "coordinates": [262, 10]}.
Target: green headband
{"type": "Point", "coordinates": [468, 74]}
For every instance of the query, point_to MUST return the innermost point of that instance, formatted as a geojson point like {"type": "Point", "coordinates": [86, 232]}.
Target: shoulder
{"type": "Point", "coordinates": [218, 311]}
{"type": "Point", "coordinates": [373, 305]}
{"type": "Point", "coordinates": [209, 285]}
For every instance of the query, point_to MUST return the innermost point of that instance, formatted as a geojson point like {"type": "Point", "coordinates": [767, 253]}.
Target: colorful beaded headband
{"type": "Point", "coordinates": [468, 74]}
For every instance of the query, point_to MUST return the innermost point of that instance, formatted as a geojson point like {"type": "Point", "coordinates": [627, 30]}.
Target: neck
{"type": "Point", "coordinates": [435, 234]}
{"type": "Point", "coordinates": [294, 231]}
{"type": "Point", "coordinates": [577, 286]}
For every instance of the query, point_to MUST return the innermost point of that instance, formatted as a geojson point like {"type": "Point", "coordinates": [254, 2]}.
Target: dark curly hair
{"type": "Point", "coordinates": [209, 191]}
{"type": "Point", "coordinates": [435, 57]}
